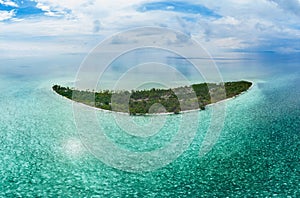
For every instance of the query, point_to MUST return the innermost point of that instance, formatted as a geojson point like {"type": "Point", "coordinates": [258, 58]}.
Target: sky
{"type": "Point", "coordinates": [227, 28]}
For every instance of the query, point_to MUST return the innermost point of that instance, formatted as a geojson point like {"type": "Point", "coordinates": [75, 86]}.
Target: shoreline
{"type": "Point", "coordinates": [156, 114]}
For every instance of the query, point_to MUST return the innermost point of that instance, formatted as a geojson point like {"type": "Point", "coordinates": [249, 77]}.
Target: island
{"type": "Point", "coordinates": [153, 101]}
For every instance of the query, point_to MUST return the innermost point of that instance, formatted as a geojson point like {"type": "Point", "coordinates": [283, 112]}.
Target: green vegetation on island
{"type": "Point", "coordinates": [140, 102]}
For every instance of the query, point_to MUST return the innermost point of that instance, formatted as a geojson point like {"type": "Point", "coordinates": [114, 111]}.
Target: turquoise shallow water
{"type": "Point", "coordinates": [257, 154]}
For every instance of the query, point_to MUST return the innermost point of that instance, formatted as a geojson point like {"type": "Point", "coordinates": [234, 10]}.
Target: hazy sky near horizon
{"type": "Point", "coordinates": [227, 28]}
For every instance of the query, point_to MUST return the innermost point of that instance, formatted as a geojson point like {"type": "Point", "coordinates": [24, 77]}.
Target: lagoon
{"type": "Point", "coordinates": [257, 153]}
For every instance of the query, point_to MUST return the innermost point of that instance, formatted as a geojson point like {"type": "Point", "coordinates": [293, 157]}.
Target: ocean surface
{"type": "Point", "coordinates": [256, 155]}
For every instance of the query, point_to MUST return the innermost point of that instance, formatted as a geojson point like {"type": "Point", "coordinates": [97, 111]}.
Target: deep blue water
{"type": "Point", "coordinates": [257, 153]}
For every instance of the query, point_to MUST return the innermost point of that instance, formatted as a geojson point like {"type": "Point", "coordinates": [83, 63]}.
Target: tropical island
{"type": "Point", "coordinates": [141, 102]}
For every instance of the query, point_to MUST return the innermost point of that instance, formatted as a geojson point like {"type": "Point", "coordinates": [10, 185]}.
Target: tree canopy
{"type": "Point", "coordinates": [140, 102]}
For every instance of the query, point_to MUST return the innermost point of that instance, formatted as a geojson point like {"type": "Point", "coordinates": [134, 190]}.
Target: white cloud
{"type": "Point", "coordinates": [170, 7]}
{"type": "Point", "coordinates": [243, 24]}
{"type": "Point", "coordinates": [292, 6]}
{"type": "Point", "coordinates": [43, 7]}
{"type": "Point", "coordinates": [51, 11]}
{"type": "Point", "coordinates": [4, 15]}
{"type": "Point", "coordinates": [227, 20]}
{"type": "Point", "coordinates": [8, 3]}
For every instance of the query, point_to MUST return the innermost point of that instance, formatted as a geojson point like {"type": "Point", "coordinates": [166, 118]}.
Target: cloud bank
{"type": "Point", "coordinates": [224, 27]}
